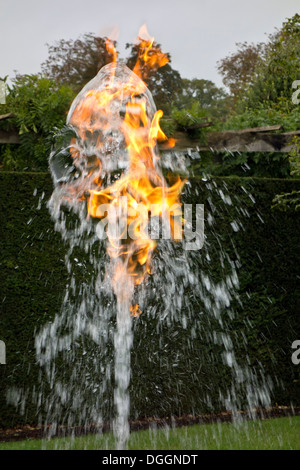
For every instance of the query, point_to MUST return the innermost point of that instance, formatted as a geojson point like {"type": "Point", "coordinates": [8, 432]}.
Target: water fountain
{"type": "Point", "coordinates": [109, 189]}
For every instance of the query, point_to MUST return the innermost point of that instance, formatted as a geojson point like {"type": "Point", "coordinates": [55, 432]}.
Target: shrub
{"type": "Point", "coordinates": [40, 106]}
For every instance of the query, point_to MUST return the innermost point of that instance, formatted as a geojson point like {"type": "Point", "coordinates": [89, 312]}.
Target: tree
{"type": "Point", "coordinates": [280, 67]}
{"type": "Point", "coordinates": [204, 92]}
{"type": "Point", "coordinates": [264, 72]}
{"type": "Point", "coordinates": [238, 68]}
{"type": "Point", "coordinates": [76, 62]}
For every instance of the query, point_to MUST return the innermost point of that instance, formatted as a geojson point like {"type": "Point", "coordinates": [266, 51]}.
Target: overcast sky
{"type": "Point", "coordinates": [197, 33]}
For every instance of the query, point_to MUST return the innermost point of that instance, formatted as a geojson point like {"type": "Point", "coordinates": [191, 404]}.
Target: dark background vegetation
{"type": "Point", "coordinates": [33, 279]}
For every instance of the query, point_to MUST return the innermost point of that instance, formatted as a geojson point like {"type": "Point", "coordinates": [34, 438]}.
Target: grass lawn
{"type": "Point", "coordinates": [277, 434]}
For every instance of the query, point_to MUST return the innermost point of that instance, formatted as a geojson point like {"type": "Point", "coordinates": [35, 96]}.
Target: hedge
{"type": "Point", "coordinates": [176, 367]}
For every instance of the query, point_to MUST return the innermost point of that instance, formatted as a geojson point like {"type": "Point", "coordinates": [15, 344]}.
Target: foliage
{"type": "Point", "coordinates": [39, 106]}
{"type": "Point", "coordinates": [264, 114]}
{"type": "Point", "coordinates": [198, 102]}
{"type": "Point", "coordinates": [291, 200]}
{"type": "Point", "coordinates": [168, 126]}
{"type": "Point", "coordinates": [205, 93]}
{"type": "Point", "coordinates": [287, 201]}
{"type": "Point", "coordinates": [256, 164]}
{"type": "Point", "coordinates": [76, 62]}
{"type": "Point", "coordinates": [242, 164]}
{"type": "Point", "coordinates": [294, 156]}
{"type": "Point", "coordinates": [280, 67]}
{"type": "Point", "coordinates": [188, 119]}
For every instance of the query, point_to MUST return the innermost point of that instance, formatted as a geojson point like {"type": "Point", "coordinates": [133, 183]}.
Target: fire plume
{"type": "Point", "coordinates": [141, 190]}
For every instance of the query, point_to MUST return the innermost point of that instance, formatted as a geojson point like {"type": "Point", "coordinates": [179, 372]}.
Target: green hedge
{"type": "Point", "coordinates": [172, 372]}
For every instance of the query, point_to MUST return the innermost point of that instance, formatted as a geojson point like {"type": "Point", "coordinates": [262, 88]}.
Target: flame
{"type": "Point", "coordinates": [110, 47]}
{"type": "Point", "coordinates": [150, 57]}
{"type": "Point", "coordinates": [142, 190]}
{"type": "Point", "coordinates": [135, 310]}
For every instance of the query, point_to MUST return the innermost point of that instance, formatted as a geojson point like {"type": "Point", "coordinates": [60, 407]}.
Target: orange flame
{"type": "Point", "coordinates": [135, 310]}
{"type": "Point", "coordinates": [150, 57]}
{"type": "Point", "coordinates": [110, 47]}
{"type": "Point", "coordinates": [143, 186]}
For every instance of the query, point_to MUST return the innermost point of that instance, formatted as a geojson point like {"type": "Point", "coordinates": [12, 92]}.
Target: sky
{"type": "Point", "coordinates": [197, 33]}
